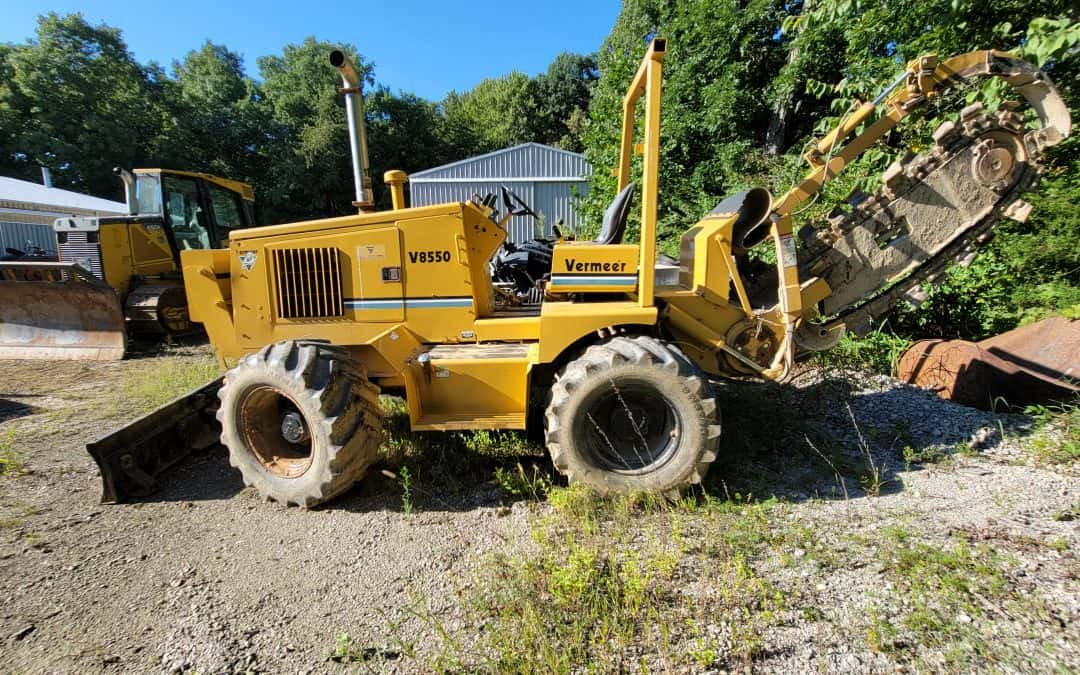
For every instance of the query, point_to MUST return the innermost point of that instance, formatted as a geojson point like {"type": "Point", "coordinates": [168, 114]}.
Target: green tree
{"type": "Point", "coordinates": [75, 100]}
{"type": "Point", "coordinates": [492, 115]}
{"type": "Point", "coordinates": [721, 56]}
{"type": "Point", "coordinates": [311, 173]}
{"type": "Point", "coordinates": [223, 121]}
{"type": "Point", "coordinates": [559, 101]}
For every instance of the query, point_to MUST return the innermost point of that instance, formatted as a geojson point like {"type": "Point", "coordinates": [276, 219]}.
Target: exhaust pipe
{"type": "Point", "coordinates": [354, 111]}
{"type": "Point", "coordinates": [129, 190]}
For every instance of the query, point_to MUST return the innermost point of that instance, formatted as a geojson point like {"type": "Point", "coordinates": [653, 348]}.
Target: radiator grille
{"type": "Point", "coordinates": [308, 283]}
{"type": "Point", "coordinates": [76, 247]}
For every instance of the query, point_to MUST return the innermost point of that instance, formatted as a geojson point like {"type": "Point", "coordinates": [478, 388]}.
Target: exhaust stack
{"type": "Point", "coordinates": [129, 190]}
{"type": "Point", "coordinates": [354, 111]}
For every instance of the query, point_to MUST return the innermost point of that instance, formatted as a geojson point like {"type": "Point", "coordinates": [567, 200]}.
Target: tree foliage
{"type": "Point", "coordinates": [75, 100]}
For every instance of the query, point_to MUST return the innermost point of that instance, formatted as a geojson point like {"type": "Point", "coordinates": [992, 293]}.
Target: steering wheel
{"type": "Point", "coordinates": [515, 205]}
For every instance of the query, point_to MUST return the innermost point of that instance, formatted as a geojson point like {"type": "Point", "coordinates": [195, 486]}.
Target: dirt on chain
{"type": "Point", "coordinates": [205, 576]}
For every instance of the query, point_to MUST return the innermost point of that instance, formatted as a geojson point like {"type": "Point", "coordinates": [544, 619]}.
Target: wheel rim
{"type": "Point", "coordinates": [628, 427]}
{"type": "Point", "coordinates": [268, 419]}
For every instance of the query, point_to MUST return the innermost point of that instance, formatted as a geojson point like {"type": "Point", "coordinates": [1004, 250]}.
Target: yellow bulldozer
{"type": "Point", "coordinates": [118, 275]}
{"type": "Point", "coordinates": [316, 319]}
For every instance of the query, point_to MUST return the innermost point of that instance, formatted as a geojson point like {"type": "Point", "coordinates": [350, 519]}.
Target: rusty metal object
{"type": "Point", "coordinates": [131, 458]}
{"type": "Point", "coordinates": [1032, 364]}
{"type": "Point", "coordinates": [52, 310]}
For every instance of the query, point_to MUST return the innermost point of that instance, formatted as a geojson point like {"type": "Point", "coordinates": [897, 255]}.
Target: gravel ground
{"type": "Point", "coordinates": [205, 576]}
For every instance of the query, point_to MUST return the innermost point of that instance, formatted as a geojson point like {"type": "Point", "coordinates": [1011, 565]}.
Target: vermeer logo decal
{"type": "Point", "coordinates": [247, 260]}
{"type": "Point", "coordinates": [573, 265]}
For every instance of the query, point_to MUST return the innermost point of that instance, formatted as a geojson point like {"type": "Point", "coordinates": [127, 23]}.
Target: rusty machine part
{"type": "Point", "coordinates": [59, 311]}
{"type": "Point", "coordinates": [131, 458]}
{"type": "Point", "coordinates": [1031, 364]}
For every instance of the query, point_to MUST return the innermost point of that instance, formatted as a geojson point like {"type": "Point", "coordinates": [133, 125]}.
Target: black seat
{"type": "Point", "coordinates": [614, 226]}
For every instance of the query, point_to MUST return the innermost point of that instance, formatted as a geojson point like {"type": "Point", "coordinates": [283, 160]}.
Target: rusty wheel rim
{"type": "Point", "coordinates": [262, 411]}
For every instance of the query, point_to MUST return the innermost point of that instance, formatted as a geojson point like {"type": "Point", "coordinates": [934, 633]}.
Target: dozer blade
{"type": "Point", "coordinates": [54, 311]}
{"type": "Point", "coordinates": [133, 457]}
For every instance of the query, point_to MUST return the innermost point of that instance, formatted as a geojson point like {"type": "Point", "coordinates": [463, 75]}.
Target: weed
{"type": "Point", "coordinates": [520, 484]}
{"type": "Point", "coordinates": [1057, 440]}
{"type": "Point", "coordinates": [949, 593]}
{"type": "Point", "coordinates": [877, 351]}
{"type": "Point", "coordinates": [405, 478]}
{"type": "Point", "coordinates": [873, 478]}
{"type": "Point", "coordinates": [11, 462]}
{"type": "Point", "coordinates": [498, 443]}
{"type": "Point", "coordinates": [605, 588]}
{"type": "Point", "coordinates": [931, 454]}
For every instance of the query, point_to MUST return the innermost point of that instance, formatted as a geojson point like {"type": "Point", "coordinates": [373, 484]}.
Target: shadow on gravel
{"type": "Point", "coordinates": [828, 440]}
{"type": "Point", "coordinates": [10, 409]}
{"type": "Point", "coordinates": [150, 347]}
{"type": "Point", "coordinates": [204, 476]}
{"type": "Point", "coordinates": [824, 439]}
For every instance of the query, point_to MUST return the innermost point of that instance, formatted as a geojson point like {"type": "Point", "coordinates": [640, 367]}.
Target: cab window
{"type": "Point", "coordinates": [227, 210]}
{"type": "Point", "coordinates": [183, 213]}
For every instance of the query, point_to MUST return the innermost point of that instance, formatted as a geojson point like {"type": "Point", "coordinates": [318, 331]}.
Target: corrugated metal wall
{"type": "Point", "coordinates": [545, 178]}
{"type": "Point", "coordinates": [16, 235]}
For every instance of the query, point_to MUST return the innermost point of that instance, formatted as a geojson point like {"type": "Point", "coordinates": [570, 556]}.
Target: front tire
{"type": "Point", "coordinates": [301, 421]}
{"type": "Point", "coordinates": [632, 413]}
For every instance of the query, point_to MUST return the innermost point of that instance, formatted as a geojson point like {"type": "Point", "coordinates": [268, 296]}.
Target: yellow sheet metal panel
{"type": "Point", "coordinates": [471, 386]}
{"type": "Point", "coordinates": [586, 267]}
{"type": "Point", "coordinates": [150, 250]}
{"type": "Point", "coordinates": [508, 329]}
{"type": "Point", "coordinates": [375, 276]}
{"type": "Point", "coordinates": [334, 225]}
{"type": "Point", "coordinates": [563, 323]}
{"type": "Point", "coordinates": [483, 237]}
{"type": "Point", "coordinates": [206, 284]}
{"type": "Point", "coordinates": [701, 256]}
{"type": "Point", "coordinates": [116, 259]}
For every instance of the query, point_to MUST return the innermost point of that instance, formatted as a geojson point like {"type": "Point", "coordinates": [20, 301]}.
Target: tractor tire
{"type": "Point", "coordinates": [301, 421]}
{"type": "Point", "coordinates": [631, 414]}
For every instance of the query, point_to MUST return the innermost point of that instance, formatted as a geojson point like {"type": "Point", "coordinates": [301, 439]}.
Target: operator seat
{"type": "Point", "coordinates": [614, 225]}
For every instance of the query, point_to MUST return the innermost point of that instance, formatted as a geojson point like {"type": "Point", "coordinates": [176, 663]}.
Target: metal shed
{"type": "Point", "coordinates": [547, 179]}
{"type": "Point", "coordinates": [27, 212]}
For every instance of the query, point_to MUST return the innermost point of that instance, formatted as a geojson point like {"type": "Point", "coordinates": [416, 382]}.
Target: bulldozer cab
{"type": "Point", "coordinates": [197, 210]}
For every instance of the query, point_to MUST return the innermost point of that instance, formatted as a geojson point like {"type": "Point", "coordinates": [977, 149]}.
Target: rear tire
{"type": "Point", "coordinates": [301, 421]}
{"type": "Point", "coordinates": [632, 413]}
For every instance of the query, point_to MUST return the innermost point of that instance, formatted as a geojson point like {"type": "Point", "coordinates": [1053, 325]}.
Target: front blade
{"type": "Point", "coordinates": [133, 457]}
{"type": "Point", "coordinates": [49, 312]}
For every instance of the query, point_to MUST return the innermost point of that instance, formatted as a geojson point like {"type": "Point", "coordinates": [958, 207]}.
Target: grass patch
{"type": "Point", "coordinates": [877, 351]}
{"type": "Point", "coordinates": [11, 462]}
{"type": "Point", "coordinates": [945, 604]}
{"type": "Point", "coordinates": [439, 461]}
{"type": "Point", "coordinates": [168, 378]}
{"type": "Point", "coordinates": [1057, 437]}
{"type": "Point", "coordinates": [518, 483]}
{"type": "Point", "coordinates": [631, 583]}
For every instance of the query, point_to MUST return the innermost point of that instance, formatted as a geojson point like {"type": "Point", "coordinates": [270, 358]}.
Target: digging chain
{"type": "Point", "coordinates": [934, 209]}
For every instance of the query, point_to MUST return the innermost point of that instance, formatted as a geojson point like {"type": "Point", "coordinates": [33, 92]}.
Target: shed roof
{"type": "Point", "coordinates": [39, 196]}
{"type": "Point", "coordinates": [525, 162]}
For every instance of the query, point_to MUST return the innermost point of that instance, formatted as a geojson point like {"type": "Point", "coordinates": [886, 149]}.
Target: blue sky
{"type": "Point", "coordinates": [425, 46]}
